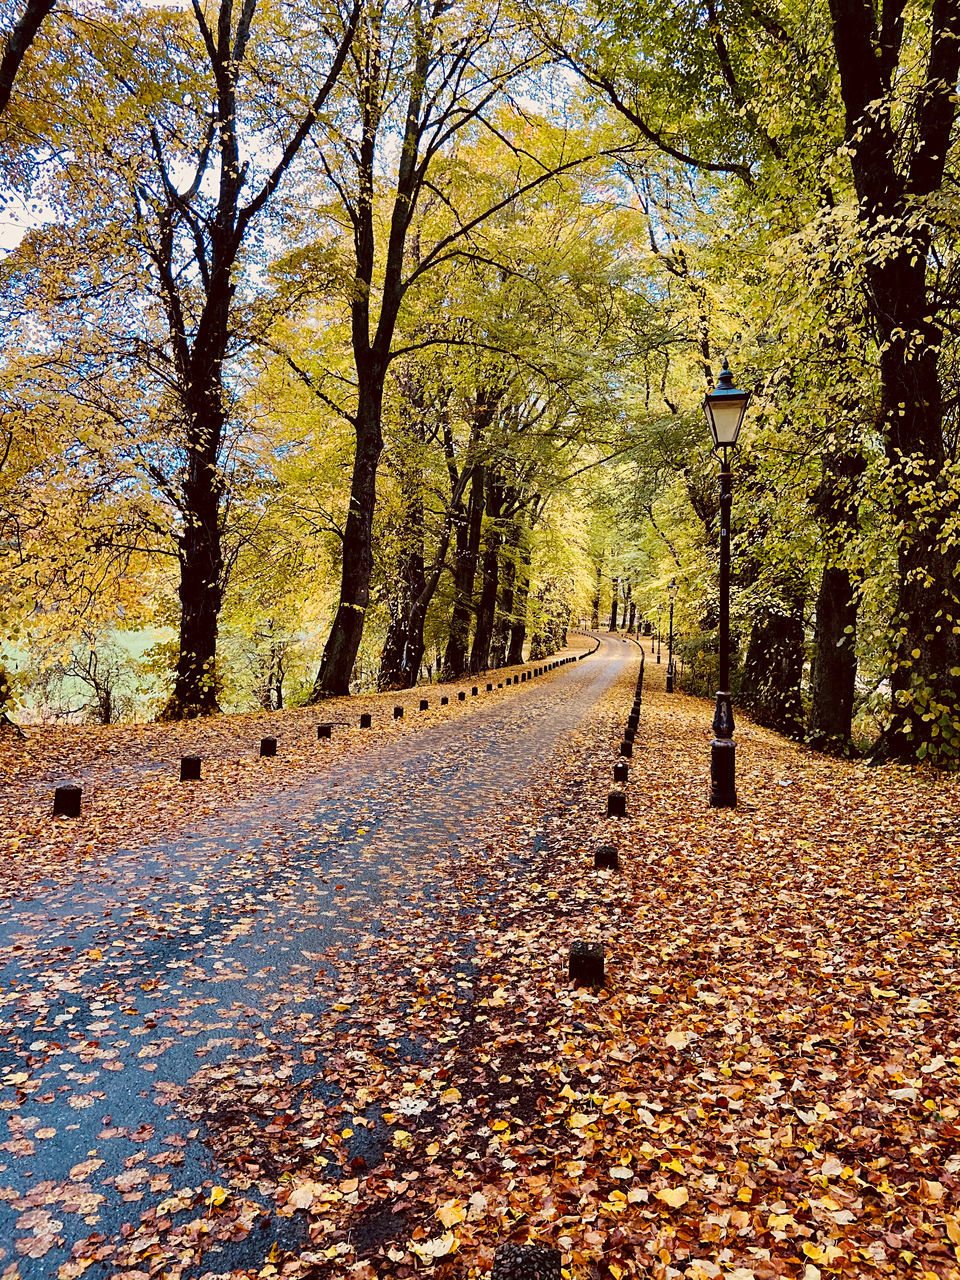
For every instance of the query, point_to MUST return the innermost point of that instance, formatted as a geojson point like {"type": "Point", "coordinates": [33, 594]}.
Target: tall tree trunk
{"type": "Point", "coordinates": [403, 647]}
{"type": "Point", "coordinates": [773, 666]}
{"type": "Point", "coordinates": [199, 546]}
{"type": "Point", "coordinates": [508, 577]}
{"type": "Point", "coordinates": [834, 667]}
{"type": "Point", "coordinates": [468, 529]}
{"type": "Point", "coordinates": [897, 166]}
{"type": "Point", "coordinates": [518, 631]}
{"type": "Point", "coordinates": [487, 603]}
{"type": "Point", "coordinates": [343, 643]}
{"type": "Point", "coordinates": [595, 609]}
{"type": "Point", "coordinates": [613, 604]}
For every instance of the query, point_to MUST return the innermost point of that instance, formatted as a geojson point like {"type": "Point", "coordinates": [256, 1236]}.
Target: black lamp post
{"type": "Point", "coordinates": [724, 408]}
{"type": "Point", "coordinates": [672, 592]}
{"type": "Point", "coordinates": [659, 637]}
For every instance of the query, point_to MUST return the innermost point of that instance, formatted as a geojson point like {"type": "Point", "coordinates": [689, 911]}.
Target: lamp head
{"type": "Point", "coordinates": [724, 409]}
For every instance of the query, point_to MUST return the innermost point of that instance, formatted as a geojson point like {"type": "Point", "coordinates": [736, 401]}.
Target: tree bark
{"type": "Point", "coordinates": [200, 545]}
{"type": "Point", "coordinates": [508, 578]}
{"type": "Point", "coordinates": [468, 527]}
{"type": "Point", "coordinates": [518, 631]}
{"type": "Point", "coordinates": [613, 605]}
{"type": "Point", "coordinates": [403, 647]}
{"type": "Point", "coordinates": [18, 42]}
{"type": "Point", "coordinates": [340, 653]}
{"type": "Point", "coordinates": [896, 168]}
{"type": "Point", "coordinates": [595, 610]}
{"type": "Point", "coordinates": [489, 573]}
{"type": "Point", "coordinates": [833, 670]}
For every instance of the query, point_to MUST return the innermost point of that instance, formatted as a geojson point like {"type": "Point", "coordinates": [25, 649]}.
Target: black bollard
{"type": "Point", "coordinates": [444, 701]}
{"type": "Point", "coordinates": [586, 963]}
{"type": "Point", "coordinates": [189, 768]}
{"type": "Point", "coordinates": [424, 704]}
{"type": "Point", "coordinates": [366, 720]}
{"type": "Point", "coordinates": [66, 802]}
{"type": "Point", "coordinates": [526, 1262]}
{"type": "Point", "coordinates": [508, 679]}
{"type": "Point", "coordinates": [499, 684]}
{"type": "Point", "coordinates": [489, 688]}
{"type": "Point", "coordinates": [629, 733]}
{"type": "Point", "coordinates": [616, 805]}
{"type": "Point", "coordinates": [606, 857]}
{"type": "Point", "coordinates": [398, 713]}
{"type": "Point", "coordinates": [268, 746]}
{"type": "Point", "coordinates": [324, 730]}
{"type": "Point", "coordinates": [621, 771]}
{"type": "Point", "coordinates": [626, 749]}
{"type": "Point", "coordinates": [474, 691]}
{"type": "Point", "coordinates": [461, 696]}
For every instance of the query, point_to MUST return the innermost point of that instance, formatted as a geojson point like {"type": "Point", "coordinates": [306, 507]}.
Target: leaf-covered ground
{"type": "Point", "coordinates": [332, 1035]}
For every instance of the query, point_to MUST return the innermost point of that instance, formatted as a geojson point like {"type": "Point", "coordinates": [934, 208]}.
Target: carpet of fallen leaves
{"type": "Point", "coordinates": [767, 1085]}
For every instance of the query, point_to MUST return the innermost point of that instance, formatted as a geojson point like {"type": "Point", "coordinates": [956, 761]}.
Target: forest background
{"type": "Point", "coordinates": [353, 344]}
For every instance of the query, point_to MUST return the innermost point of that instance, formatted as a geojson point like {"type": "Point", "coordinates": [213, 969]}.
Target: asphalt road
{"type": "Point", "coordinates": [130, 996]}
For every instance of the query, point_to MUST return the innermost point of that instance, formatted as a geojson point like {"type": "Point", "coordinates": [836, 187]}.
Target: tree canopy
{"type": "Point", "coordinates": [362, 343]}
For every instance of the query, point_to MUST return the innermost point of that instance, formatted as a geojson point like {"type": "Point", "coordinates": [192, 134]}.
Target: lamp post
{"type": "Point", "coordinates": [659, 637]}
{"type": "Point", "coordinates": [724, 408]}
{"type": "Point", "coordinates": [672, 592]}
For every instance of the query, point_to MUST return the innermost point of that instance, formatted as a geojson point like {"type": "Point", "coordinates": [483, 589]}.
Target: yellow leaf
{"type": "Point", "coordinates": [450, 1095]}
{"type": "Point", "coordinates": [433, 1149]}
{"type": "Point", "coordinates": [673, 1196]}
{"type": "Point", "coordinates": [451, 1213]}
{"type": "Point", "coordinates": [579, 1120]}
{"type": "Point", "coordinates": [678, 1039]}
{"type": "Point", "coordinates": [431, 1249]}
{"type": "Point", "coordinates": [218, 1195]}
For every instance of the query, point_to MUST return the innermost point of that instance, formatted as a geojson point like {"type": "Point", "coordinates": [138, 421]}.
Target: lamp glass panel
{"type": "Point", "coordinates": [726, 415]}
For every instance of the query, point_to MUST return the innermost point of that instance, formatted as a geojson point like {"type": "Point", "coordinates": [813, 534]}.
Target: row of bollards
{"type": "Point", "coordinates": [586, 960]}
{"type": "Point", "coordinates": [67, 799]}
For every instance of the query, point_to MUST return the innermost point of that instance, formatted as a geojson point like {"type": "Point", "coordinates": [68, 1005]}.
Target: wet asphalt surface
{"type": "Point", "coordinates": [123, 992]}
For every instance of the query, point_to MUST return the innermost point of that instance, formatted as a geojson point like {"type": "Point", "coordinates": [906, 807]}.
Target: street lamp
{"type": "Point", "coordinates": [672, 592]}
{"type": "Point", "coordinates": [724, 408]}
{"type": "Point", "coordinates": [659, 637]}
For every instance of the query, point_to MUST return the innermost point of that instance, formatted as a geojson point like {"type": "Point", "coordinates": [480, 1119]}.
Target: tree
{"type": "Point", "coordinates": [899, 124]}
{"type": "Point", "coordinates": [18, 41]}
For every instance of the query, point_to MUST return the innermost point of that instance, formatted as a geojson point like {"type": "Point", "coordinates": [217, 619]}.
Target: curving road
{"type": "Point", "coordinates": [134, 999]}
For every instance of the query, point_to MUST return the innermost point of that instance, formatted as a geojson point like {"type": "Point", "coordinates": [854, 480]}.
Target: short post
{"type": "Point", "coordinates": [66, 802]}
{"type": "Point", "coordinates": [424, 704]}
{"type": "Point", "coordinates": [489, 688]}
{"type": "Point", "coordinates": [626, 749]}
{"type": "Point", "coordinates": [324, 730]}
{"type": "Point", "coordinates": [586, 963]}
{"type": "Point", "coordinates": [268, 747]}
{"type": "Point", "coordinates": [366, 720]}
{"type": "Point", "coordinates": [398, 713]}
{"type": "Point", "coordinates": [630, 733]}
{"type": "Point", "coordinates": [461, 696]}
{"type": "Point", "coordinates": [474, 691]}
{"type": "Point", "coordinates": [621, 771]}
{"type": "Point", "coordinates": [508, 679]}
{"type": "Point", "coordinates": [444, 701]}
{"type": "Point", "coordinates": [526, 1262]}
{"type": "Point", "coordinates": [189, 768]}
{"type": "Point", "coordinates": [606, 858]}
{"type": "Point", "coordinates": [616, 805]}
